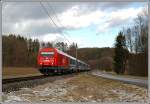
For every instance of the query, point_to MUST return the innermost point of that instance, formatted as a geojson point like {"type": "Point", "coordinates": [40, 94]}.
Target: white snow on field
{"type": "Point", "coordinates": [58, 88]}
{"type": "Point", "coordinates": [57, 91]}
{"type": "Point", "coordinates": [54, 92]}
{"type": "Point", "coordinates": [14, 98]}
{"type": "Point", "coordinates": [128, 97]}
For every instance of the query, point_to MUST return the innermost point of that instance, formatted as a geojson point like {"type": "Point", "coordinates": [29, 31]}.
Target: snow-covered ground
{"type": "Point", "coordinates": [80, 88]}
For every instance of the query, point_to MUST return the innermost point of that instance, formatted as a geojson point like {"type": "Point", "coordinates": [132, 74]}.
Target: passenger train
{"type": "Point", "coordinates": [52, 60]}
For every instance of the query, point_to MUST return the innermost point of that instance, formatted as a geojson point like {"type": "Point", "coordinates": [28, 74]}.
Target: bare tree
{"type": "Point", "coordinates": [137, 36]}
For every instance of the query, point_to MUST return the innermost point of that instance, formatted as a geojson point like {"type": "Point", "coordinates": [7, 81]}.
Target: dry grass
{"type": "Point", "coordinates": [90, 87]}
{"type": "Point", "coordinates": [102, 90]}
{"type": "Point", "coordinates": [18, 71]}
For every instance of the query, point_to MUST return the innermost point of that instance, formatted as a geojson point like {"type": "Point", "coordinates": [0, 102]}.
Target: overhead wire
{"type": "Point", "coordinates": [56, 16]}
{"type": "Point", "coordinates": [44, 8]}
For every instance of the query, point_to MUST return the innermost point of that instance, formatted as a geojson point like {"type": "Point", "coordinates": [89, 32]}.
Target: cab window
{"type": "Point", "coordinates": [47, 54]}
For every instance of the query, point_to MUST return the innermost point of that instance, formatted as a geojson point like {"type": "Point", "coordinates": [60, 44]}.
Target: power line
{"type": "Point", "coordinates": [57, 18]}
{"type": "Point", "coordinates": [53, 20]}
{"type": "Point", "coordinates": [48, 16]}
{"type": "Point", "coordinates": [50, 19]}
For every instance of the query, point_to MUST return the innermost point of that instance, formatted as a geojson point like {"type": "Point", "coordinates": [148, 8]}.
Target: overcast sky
{"type": "Point", "coordinates": [88, 24]}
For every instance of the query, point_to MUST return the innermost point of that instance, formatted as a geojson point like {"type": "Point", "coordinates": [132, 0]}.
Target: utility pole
{"type": "Point", "coordinates": [1, 47]}
{"type": "Point", "coordinates": [76, 57]}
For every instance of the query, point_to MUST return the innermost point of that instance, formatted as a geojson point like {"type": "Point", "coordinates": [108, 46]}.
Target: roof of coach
{"type": "Point", "coordinates": [82, 62]}
{"type": "Point", "coordinates": [61, 52]}
{"type": "Point", "coordinates": [69, 56]}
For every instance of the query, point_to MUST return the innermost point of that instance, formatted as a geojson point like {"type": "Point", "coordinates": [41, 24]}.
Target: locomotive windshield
{"type": "Point", "coordinates": [47, 54]}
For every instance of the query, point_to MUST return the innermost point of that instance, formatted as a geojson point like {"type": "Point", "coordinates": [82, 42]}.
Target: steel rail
{"type": "Point", "coordinates": [19, 79]}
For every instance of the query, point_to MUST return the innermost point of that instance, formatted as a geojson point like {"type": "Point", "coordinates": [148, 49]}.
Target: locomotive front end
{"type": "Point", "coordinates": [46, 59]}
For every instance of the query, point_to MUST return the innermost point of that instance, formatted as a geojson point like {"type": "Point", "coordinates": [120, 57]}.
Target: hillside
{"type": "Point", "coordinates": [101, 58]}
{"type": "Point", "coordinates": [94, 53]}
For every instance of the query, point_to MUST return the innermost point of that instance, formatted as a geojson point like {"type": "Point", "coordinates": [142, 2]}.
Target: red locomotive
{"type": "Point", "coordinates": [52, 60]}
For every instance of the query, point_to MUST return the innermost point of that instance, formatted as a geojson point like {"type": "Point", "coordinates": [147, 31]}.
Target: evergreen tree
{"type": "Point", "coordinates": [121, 54]}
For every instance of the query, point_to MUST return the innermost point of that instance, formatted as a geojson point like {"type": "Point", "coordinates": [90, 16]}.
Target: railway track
{"type": "Point", "coordinates": [15, 84]}
{"type": "Point", "coordinates": [19, 79]}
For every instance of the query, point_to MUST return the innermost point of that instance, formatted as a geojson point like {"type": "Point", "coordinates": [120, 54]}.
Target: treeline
{"type": "Point", "coordinates": [131, 48]}
{"type": "Point", "coordinates": [18, 51]}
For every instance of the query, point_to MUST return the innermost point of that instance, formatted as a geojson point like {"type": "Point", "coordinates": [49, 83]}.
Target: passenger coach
{"type": "Point", "coordinates": [52, 60]}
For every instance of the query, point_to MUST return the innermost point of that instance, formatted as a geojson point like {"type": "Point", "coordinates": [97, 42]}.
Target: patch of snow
{"type": "Point", "coordinates": [14, 98]}
{"type": "Point", "coordinates": [125, 96]}
{"type": "Point", "coordinates": [28, 89]}
{"type": "Point", "coordinates": [53, 91]}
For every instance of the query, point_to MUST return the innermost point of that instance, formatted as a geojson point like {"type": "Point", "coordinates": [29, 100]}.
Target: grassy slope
{"type": "Point", "coordinates": [18, 71]}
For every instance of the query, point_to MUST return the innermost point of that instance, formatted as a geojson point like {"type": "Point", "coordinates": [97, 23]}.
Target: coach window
{"type": "Point", "coordinates": [71, 61]}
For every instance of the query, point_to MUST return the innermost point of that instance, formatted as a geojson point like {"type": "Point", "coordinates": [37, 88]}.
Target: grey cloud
{"type": "Point", "coordinates": [32, 29]}
{"type": "Point", "coordinates": [24, 11]}
{"type": "Point", "coordinates": [44, 29]}
{"type": "Point", "coordinates": [18, 12]}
